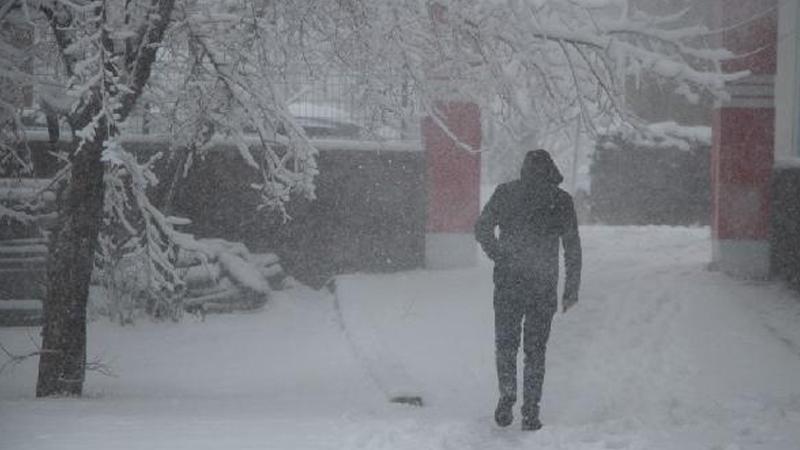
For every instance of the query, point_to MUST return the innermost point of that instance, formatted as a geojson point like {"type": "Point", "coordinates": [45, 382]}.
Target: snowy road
{"type": "Point", "coordinates": [659, 354]}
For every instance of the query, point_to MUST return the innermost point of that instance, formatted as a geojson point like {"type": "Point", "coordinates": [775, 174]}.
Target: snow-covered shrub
{"type": "Point", "coordinates": [635, 182]}
{"type": "Point", "coordinates": [137, 253]}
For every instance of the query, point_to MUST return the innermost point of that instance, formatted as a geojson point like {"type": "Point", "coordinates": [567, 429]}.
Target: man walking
{"type": "Point", "coordinates": [532, 215]}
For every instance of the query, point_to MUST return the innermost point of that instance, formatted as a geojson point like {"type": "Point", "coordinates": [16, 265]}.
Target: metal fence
{"type": "Point", "coordinates": [380, 109]}
{"type": "Point", "coordinates": [339, 106]}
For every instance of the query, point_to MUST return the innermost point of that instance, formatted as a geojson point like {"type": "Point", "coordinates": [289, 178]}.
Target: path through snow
{"type": "Point", "coordinates": [659, 354]}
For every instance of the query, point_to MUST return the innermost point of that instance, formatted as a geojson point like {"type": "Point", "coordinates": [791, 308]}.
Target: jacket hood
{"type": "Point", "coordinates": [539, 168]}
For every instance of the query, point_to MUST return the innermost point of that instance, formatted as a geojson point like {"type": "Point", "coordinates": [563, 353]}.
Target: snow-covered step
{"type": "Point", "coordinates": [20, 313]}
{"type": "Point", "coordinates": [23, 267]}
{"type": "Point", "coordinates": [29, 263]}
{"type": "Point", "coordinates": [22, 283]}
{"type": "Point", "coordinates": [23, 242]}
{"type": "Point", "coordinates": [22, 251]}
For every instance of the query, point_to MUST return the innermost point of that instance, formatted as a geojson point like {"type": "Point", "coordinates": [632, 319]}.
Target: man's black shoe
{"type": "Point", "coordinates": [503, 415]}
{"type": "Point", "coordinates": [531, 424]}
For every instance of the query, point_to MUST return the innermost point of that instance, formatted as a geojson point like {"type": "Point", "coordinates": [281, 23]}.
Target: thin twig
{"type": "Point", "coordinates": [13, 359]}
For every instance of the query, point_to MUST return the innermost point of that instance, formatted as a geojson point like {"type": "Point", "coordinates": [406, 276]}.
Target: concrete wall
{"type": "Point", "coordinates": [784, 224]}
{"type": "Point", "coordinates": [787, 82]}
{"type": "Point", "coordinates": [369, 214]}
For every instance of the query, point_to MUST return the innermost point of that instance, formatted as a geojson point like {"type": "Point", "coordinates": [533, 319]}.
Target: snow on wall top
{"type": "Point", "coordinates": [320, 144]}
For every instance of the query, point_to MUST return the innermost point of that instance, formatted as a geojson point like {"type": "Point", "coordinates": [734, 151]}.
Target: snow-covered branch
{"type": "Point", "coordinates": [213, 70]}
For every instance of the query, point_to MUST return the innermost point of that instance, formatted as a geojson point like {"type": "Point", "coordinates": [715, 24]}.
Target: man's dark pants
{"type": "Point", "coordinates": [522, 306]}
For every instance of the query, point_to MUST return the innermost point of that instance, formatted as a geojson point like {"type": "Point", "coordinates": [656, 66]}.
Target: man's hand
{"type": "Point", "coordinates": [569, 301]}
{"type": "Point", "coordinates": [500, 254]}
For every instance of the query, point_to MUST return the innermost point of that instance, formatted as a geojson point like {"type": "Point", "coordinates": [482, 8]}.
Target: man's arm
{"type": "Point", "coordinates": [573, 258]}
{"type": "Point", "coordinates": [485, 225]}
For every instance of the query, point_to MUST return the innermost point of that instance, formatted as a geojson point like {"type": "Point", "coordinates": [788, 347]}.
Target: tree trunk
{"type": "Point", "coordinates": [62, 365]}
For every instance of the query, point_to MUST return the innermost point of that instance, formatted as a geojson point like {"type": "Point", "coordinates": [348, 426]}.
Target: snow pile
{"type": "Point", "coordinates": [223, 276]}
{"type": "Point", "coordinates": [216, 275]}
{"type": "Point", "coordinates": [690, 133]}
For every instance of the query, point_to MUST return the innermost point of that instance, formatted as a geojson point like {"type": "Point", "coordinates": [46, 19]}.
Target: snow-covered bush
{"type": "Point", "coordinates": [136, 254]}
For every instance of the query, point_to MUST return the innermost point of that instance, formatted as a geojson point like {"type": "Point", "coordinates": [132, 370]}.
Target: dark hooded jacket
{"type": "Point", "coordinates": [531, 215]}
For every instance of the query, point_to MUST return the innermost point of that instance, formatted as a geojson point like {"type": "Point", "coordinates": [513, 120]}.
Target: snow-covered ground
{"type": "Point", "coordinates": [658, 354]}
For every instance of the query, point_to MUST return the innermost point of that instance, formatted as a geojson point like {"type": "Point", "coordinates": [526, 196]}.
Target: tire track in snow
{"type": "Point", "coordinates": [387, 374]}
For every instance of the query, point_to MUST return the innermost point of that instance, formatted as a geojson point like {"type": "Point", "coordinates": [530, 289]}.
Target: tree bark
{"type": "Point", "coordinates": [63, 360]}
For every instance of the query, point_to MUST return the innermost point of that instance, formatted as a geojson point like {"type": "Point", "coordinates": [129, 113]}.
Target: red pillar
{"type": "Point", "coordinates": [743, 140]}
{"type": "Point", "coordinates": [453, 185]}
